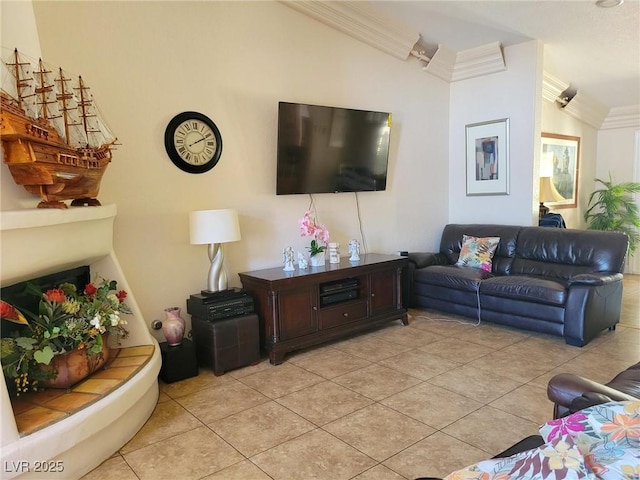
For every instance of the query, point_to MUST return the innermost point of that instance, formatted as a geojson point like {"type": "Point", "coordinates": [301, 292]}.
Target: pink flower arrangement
{"type": "Point", "coordinates": [309, 227]}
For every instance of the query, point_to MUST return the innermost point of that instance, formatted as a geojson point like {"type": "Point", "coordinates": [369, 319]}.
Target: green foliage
{"type": "Point", "coordinates": [315, 248]}
{"type": "Point", "coordinates": [612, 208]}
{"type": "Point", "coordinates": [66, 320]}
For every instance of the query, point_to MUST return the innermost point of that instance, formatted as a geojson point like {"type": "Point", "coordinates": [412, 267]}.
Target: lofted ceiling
{"type": "Point", "coordinates": [596, 50]}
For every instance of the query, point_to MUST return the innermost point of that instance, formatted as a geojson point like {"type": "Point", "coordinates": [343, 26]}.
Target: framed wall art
{"type": "Point", "coordinates": [560, 156]}
{"type": "Point", "coordinates": [487, 145]}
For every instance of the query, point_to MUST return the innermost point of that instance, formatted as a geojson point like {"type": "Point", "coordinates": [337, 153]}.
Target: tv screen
{"type": "Point", "coordinates": [329, 149]}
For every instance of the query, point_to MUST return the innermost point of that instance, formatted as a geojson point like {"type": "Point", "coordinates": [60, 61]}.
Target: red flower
{"type": "Point", "coordinates": [90, 289]}
{"type": "Point", "coordinates": [55, 295]}
{"type": "Point", "coordinates": [8, 312]}
{"type": "Point", "coordinates": [121, 295]}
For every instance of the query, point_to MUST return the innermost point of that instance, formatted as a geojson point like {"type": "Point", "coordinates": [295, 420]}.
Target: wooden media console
{"type": "Point", "coordinates": [307, 307]}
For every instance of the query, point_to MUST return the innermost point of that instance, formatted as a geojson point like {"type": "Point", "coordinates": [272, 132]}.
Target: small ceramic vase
{"type": "Point", "coordinates": [317, 260]}
{"type": "Point", "coordinates": [173, 326]}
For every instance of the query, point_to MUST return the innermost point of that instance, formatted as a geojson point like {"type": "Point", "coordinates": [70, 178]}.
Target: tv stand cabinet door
{"type": "Point", "coordinates": [385, 291]}
{"type": "Point", "coordinates": [297, 312]}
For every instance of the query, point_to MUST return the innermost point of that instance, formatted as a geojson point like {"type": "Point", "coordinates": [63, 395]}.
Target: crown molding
{"type": "Point", "coordinates": [442, 63]}
{"type": "Point", "coordinates": [622, 117]}
{"type": "Point", "coordinates": [587, 110]}
{"type": "Point", "coordinates": [552, 87]}
{"type": "Point", "coordinates": [479, 61]}
{"type": "Point", "coordinates": [363, 22]}
{"type": "Point", "coordinates": [581, 106]}
{"type": "Point", "coordinates": [453, 66]}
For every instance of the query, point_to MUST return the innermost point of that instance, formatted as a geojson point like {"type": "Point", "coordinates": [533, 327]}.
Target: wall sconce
{"type": "Point", "coordinates": [214, 227]}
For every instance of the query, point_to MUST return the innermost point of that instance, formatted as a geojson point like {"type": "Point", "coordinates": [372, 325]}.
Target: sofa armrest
{"type": "Point", "coordinates": [595, 279]}
{"type": "Point", "coordinates": [564, 388]}
{"type": "Point", "coordinates": [588, 399]}
{"type": "Point", "coordinates": [424, 259]}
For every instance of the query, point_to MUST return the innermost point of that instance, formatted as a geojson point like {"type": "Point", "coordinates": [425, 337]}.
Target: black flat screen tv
{"type": "Point", "coordinates": [329, 149]}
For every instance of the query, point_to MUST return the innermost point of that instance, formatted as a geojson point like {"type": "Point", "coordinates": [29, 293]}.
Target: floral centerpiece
{"type": "Point", "coordinates": [67, 320]}
{"type": "Point", "coordinates": [309, 227]}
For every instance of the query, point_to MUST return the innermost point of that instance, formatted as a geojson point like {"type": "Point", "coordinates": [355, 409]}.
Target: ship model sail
{"type": "Point", "coordinates": [54, 141]}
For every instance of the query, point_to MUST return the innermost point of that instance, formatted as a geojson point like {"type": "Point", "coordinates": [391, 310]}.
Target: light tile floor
{"type": "Point", "coordinates": [397, 403]}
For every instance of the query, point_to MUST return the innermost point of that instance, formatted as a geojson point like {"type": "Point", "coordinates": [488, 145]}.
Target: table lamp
{"type": "Point", "coordinates": [214, 227]}
{"type": "Point", "coordinates": [548, 191]}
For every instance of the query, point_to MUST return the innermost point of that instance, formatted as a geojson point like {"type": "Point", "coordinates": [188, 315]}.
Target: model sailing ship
{"type": "Point", "coordinates": [55, 143]}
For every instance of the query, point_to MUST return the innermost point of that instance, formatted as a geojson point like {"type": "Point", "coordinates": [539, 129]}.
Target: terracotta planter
{"type": "Point", "coordinates": [76, 365]}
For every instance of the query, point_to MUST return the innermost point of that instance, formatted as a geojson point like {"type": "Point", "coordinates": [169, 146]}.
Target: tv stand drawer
{"type": "Point", "coordinates": [341, 314]}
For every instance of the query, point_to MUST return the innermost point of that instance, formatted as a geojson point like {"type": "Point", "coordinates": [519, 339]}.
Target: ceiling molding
{"type": "Point", "coordinates": [552, 87]}
{"type": "Point", "coordinates": [453, 66]}
{"type": "Point", "coordinates": [622, 117]}
{"type": "Point", "coordinates": [587, 110]}
{"type": "Point", "coordinates": [580, 106]}
{"type": "Point", "coordinates": [478, 61]}
{"type": "Point", "coordinates": [369, 25]}
{"type": "Point", "coordinates": [363, 22]}
{"type": "Point", "coordinates": [442, 63]}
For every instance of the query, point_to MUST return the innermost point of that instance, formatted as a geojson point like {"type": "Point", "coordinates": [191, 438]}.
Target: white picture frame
{"type": "Point", "coordinates": [487, 158]}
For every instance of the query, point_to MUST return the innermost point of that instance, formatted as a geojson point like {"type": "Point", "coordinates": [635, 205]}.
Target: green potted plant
{"type": "Point", "coordinates": [613, 208]}
{"type": "Point", "coordinates": [68, 322]}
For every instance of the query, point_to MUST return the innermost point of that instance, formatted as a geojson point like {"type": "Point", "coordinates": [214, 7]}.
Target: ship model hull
{"type": "Point", "coordinates": [40, 155]}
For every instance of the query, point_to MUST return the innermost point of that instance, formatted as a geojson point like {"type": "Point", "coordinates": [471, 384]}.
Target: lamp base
{"type": "Point", "coordinates": [543, 210]}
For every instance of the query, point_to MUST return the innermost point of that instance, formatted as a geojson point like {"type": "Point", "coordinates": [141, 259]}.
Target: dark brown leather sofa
{"type": "Point", "coordinates": [557, 281]}
{"type": "Point", "coordinates": [570, 393]}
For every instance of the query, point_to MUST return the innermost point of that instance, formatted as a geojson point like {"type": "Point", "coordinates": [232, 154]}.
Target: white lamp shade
{"type": "Point", "coordinates": [548, 192]}
{"type": "Point", "coordinates": [546, 165]}
{"type": "Point", "coordinates": [214, 226]}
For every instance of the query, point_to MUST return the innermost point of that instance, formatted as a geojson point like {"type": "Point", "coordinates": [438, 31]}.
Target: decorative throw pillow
{"type": "Point", "coordinates": [477, 252]}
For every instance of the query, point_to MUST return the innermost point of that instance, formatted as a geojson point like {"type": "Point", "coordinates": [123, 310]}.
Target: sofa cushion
{"type": "Point", "coordinates": [517, 287]}
{"type": "Point", "coordinates": [564, 253]}
{"type": "Point", "coordinates": [452, 276]}
{"type": "Point", "coordinates": [451, 243]}
{"type": "Point", "coordinates": [477, 252]}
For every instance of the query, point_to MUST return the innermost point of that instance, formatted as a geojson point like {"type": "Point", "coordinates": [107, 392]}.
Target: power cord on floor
{"type": "Point", "coordinates": [452, 319]}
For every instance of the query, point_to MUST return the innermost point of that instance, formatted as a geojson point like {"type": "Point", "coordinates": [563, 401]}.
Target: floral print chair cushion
{"type": "Point", "coordinates": [600, 442]}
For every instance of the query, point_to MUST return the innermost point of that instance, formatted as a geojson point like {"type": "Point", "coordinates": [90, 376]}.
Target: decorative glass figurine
{"type": "Point", "coordinates": [302, 262]}
{"type": "Point", "coordinates": [287, 258]}
{"type": "Point", "coordinates": [354, 250]}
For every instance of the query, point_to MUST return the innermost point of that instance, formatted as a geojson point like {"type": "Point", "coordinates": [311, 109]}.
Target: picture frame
{"type": "Point", "coordinates": [560, 155]}
{"type": "Point", "coordinates": [487, 158]}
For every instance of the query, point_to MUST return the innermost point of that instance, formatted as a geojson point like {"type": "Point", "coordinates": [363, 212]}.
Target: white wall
{"type": "Point", "coordinates": [619, 155]}
{"type": "Point", "coordinates": [234, 61]}
{"type": "Point", "coordinates": [555, 120]}
{"type": "Point", "coordinates": [514, 94]}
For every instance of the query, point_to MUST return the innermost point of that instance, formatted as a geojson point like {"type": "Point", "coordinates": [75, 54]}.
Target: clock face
{"type": "Point", "coordinates": [193, 142]}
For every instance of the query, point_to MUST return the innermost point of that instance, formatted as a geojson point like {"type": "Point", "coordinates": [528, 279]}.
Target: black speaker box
{"type": "Point", "coordinates": [178, 362]}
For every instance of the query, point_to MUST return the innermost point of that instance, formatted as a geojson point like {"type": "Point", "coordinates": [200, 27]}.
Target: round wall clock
{"type": "Point", "coordinates": [193, 142]}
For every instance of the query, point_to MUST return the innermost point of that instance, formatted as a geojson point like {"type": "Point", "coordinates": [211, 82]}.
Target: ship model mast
{"type": "Point", "coordinates": [55, 143]}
